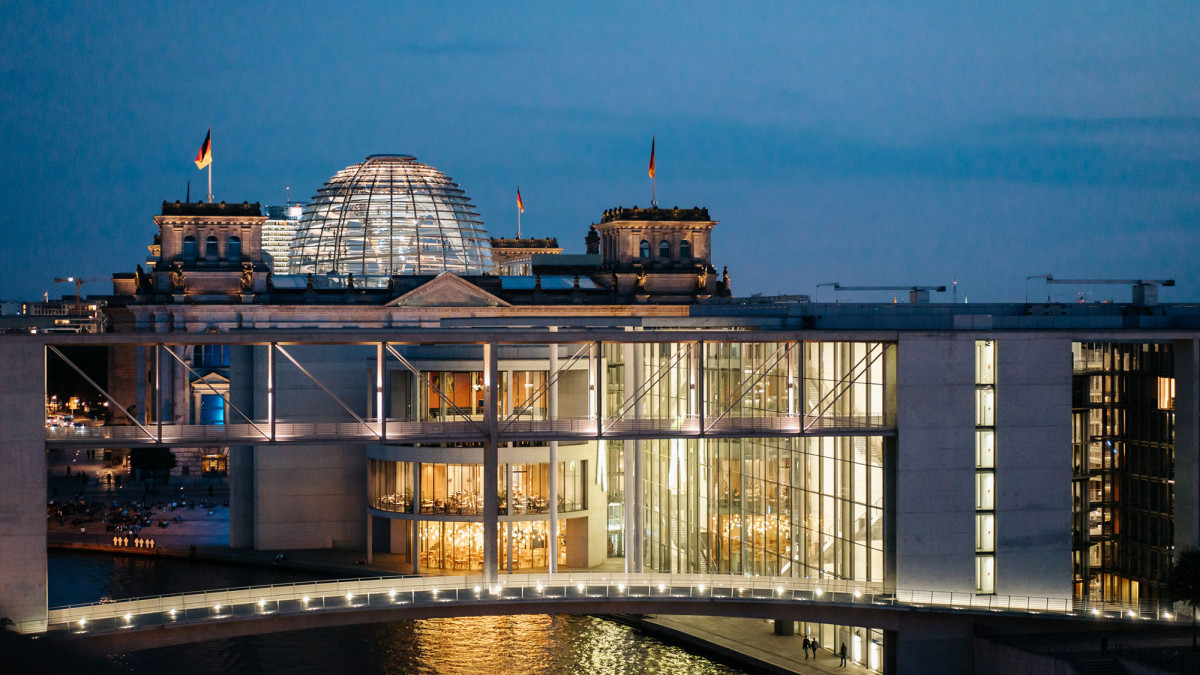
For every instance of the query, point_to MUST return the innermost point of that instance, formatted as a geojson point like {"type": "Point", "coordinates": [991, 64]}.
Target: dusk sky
{"type": "Point", "coordinates": [857, 143]}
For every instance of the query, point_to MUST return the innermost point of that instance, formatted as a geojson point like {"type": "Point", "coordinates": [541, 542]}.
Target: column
{"type": "Point", "coordinates": [554, 486]}
{"type": "Point", "coordinates": [23, 499]}
{"type": "Point", "coordinates": [1187, 444]}
{"type": "Point", "coordinates": [380, 410]}
{"type": "Point", "coordinates": [630, 485]}
{"type": "Point", "coordinates": [370, 538]}
{"type": "Point", "coordinates": [639, 409]}
{"type": "Point", "coordinates": [139, 385]}
{"type": "Point", "coordinates": [416, 521]}
{"type": "Point", "coordinates": [491, 466]}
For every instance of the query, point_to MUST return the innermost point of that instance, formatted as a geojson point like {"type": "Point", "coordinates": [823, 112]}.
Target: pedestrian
{"type": "Point", "coordinates": [842, 652]}
{"type": "Point", "coordinates": [807, 643]}
{"type": "Point", "coordinates": [814, 647]}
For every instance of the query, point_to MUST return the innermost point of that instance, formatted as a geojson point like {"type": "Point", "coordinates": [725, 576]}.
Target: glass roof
{"type": "Point", "coordinates": [390, 214]}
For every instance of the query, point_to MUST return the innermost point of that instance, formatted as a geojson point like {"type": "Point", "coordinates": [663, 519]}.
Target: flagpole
{"type": "Point", "coordinates": [210, 182]}
{"type": "Point", "coordinates": [518, 222]}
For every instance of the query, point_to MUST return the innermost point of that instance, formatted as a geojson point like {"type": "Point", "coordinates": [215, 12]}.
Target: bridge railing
{"type": "Point", "coordinates": [383, 592]}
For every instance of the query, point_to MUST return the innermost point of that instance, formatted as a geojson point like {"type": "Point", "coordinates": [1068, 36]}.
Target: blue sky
{"type": "Point", "coordinates": [862, 143]}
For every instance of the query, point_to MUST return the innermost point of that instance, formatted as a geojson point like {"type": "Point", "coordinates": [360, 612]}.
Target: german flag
{"type": "Point", "coordinates": [520, 204]}
{"type": "Point", "coordinates": [204, 157]}
{"type": "Point", "coordinates": [651, 156]}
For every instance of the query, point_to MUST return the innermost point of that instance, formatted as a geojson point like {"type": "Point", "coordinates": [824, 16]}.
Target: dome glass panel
{"type": "Point", "coordinates": [390, 215]}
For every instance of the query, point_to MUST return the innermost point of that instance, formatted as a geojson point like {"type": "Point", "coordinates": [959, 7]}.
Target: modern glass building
{"type": "Point", "coordinates": [388, 215]}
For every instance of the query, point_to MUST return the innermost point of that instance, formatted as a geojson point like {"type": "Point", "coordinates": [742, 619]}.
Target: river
{"type": "Point", "coordinates": [501, 644]}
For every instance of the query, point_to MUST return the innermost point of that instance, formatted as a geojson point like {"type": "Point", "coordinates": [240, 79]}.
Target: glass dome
{"type": "Point", "coordinates": [390, 215]}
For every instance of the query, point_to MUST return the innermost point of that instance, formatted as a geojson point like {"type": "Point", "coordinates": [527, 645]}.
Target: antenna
{"type": "Point", "coordinates": [955, 297]}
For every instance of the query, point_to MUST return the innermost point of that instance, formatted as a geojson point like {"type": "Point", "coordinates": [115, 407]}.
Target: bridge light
{"type": "Point", "coordinates": [1095, 612]}
{"type": "Point", "coordinates": [701, 588]}
{"type": "Point", "coordinates": [434, 591]}
{"type": "Point", "coordinates": [820, 592]}
{"type": "Point", "coordinates": [261, 603]}
{"type": "Point", "coordinates": [172, 612]}
{"type": "Point", "coordinates": [857, 594]}
{"type": "Point", "coordinates": [1132, 615]}
{"type": "Point", "coordinates": [82, 623]}
{"type": "Point", "coordinates": [349, 597]}
{"type": "Point", "coordinates": [477, 590]}
{"type": "Point", "coordinates": [580, 587]}
{"type": "Point", "coordinates": [620, 588]}
{"type": "Point", "coordinates": [539, 587]}
{"type": "Point", "coordinates": [779, 590]}
{"type": "Point", "coordinates": [661, 588]}
{"type": "Point", "coordinates": [128, 617]}
{"type": "Point", "coordinates": [392, 594]}
{"type": "Point", "coordinates": [1167, 616]}
{"type": "Point", "coordinates": [305, 599]}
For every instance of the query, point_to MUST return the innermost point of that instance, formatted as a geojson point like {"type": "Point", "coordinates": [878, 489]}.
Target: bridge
{"type": "Point", "coordinates": [283, 431]}
{"type": "Point", "coordinates": [142, 623]}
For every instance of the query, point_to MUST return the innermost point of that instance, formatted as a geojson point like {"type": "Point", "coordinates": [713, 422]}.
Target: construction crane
{"type": "Point", "coordinates": [916, 294]}
{"type": "Point", "coordinates": [79, 282]}
{"type": "Point", "coordinates": [1145, 291]}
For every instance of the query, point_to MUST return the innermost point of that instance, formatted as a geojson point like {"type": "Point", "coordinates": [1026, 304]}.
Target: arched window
{"type": "Point", "coordinates": [189, 248]}
{"type": "Point", "coordinates": [211, 250]}
{"type": "Point", "coordinates": [664, 249]}
{"type": "Point", "coordinates": [233, 248]}
{"type": "Point", "coordinates": [645, 249]}
{"type": "Point", "coordinates": [685, 250]}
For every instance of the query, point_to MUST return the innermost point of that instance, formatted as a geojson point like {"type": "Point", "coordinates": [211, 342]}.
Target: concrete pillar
{"type": "Point", "coordinates": [1187, 444]}
{"type": "Point", "coordinates": [370, 538]}
{"type": "Point", "coordinates": [554, 486]}
{"type": "Point", "coordinates": [242, 497]}
{"type": "Point", "coordinates": [23, 499]}
{"type": "Point", "coordinates": [784, 627]}
{"type": "Point", "coordinates": [491, 465]}
{"type": "Point", "coordinates": [139, 385]}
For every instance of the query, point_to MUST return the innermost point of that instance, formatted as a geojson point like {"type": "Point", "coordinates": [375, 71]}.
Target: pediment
{"type": "Point", "coordinates": [448, 290]}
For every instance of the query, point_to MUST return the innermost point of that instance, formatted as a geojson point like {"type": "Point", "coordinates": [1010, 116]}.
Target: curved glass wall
{"type": "Point", "coordinates": [457, 489]}
{"type": "Point", "coordinates": [390, 214]}
{"type": "Point", "coordinates": [459, 546]}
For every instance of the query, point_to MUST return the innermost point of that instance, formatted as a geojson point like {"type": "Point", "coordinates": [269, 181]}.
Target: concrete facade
{"type": "Point", "coordinates": [23, 496]}
{"type": "Point", "coordinates": [1033, 467]}
{"type": "Point", "coordinates": [935, 466]}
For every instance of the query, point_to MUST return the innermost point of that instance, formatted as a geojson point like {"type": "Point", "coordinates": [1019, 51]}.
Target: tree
{"type": "Point", "coordinates": [1185, 583]}
{"type": "Point", "coordinates": [152, 460]}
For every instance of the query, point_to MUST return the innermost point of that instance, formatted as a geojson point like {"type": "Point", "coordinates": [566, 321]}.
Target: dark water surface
{"type": "Point", "coordinates": [501, 644]}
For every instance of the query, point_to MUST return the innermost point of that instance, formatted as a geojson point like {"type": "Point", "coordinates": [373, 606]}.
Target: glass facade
{"type": "Point", "coordinates": [457, 489]}
{"type": "Point", "coordinates": [1123, 444]}
{"type": "Point", "coordinates": [390, 214]}
{"type": "Point", "coordinates": [985, 466]}
{"type": "Point", "coordinates": [805, 507]}
{"type": "Point", "coordinates": [459, 546]}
